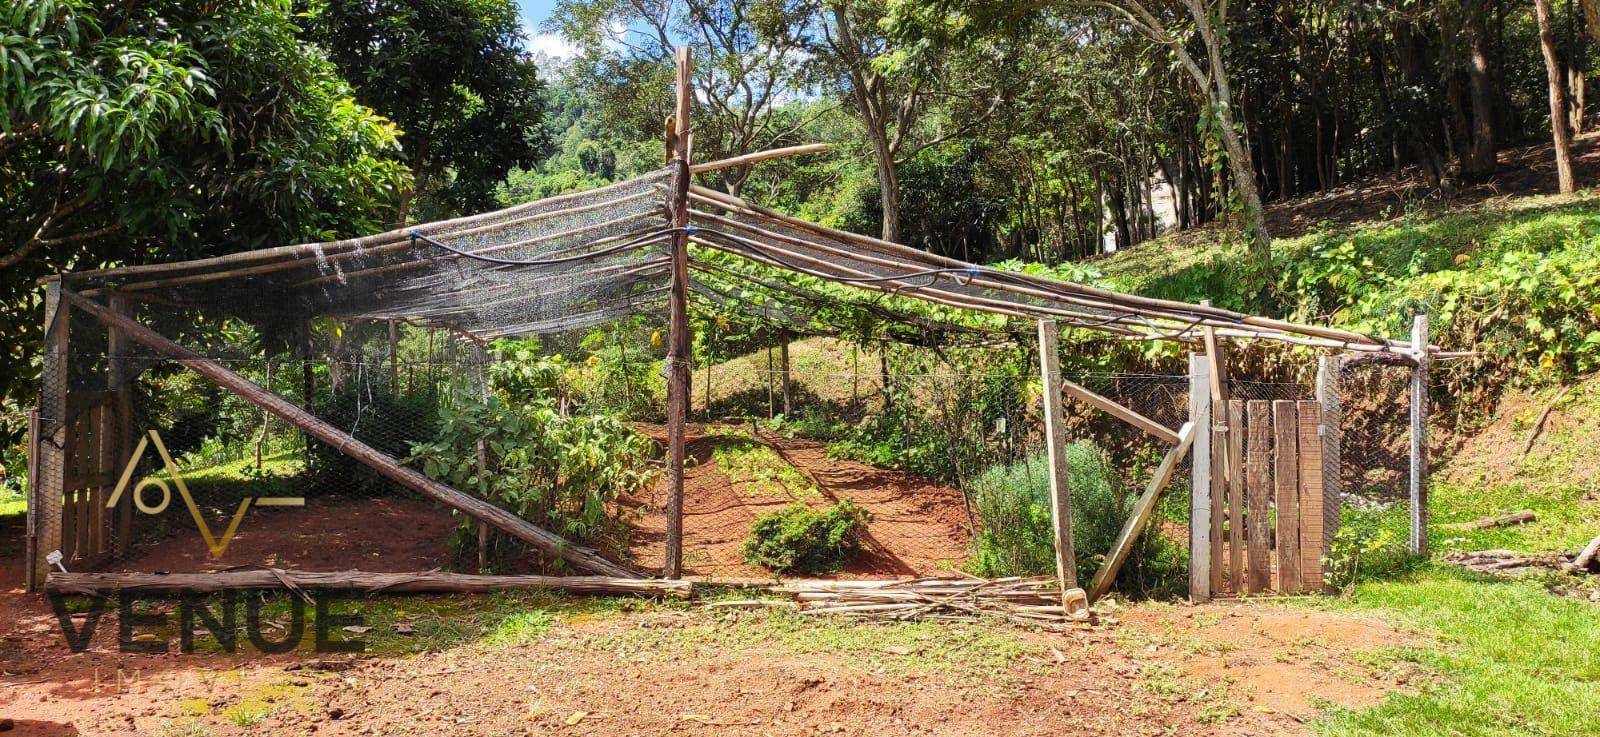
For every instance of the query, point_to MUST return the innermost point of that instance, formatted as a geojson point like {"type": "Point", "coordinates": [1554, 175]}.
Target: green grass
{"type": "Point", "coordinates": [1507, 658]}
{"type": "Point", "coordinates": [12, 503]}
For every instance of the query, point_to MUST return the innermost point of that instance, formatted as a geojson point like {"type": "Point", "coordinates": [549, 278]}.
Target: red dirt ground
{"type": "Point", "coordinates": [389, 534]}
{"type": "Point", "coordinates": [918, 527]}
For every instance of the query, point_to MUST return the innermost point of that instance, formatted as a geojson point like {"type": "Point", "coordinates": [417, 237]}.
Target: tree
{"type": "Point", "coordinates": [455, 76]}
{"type": "Point", "coordinates": [1559, 131]}
{"type": "Point", "coordinates": [141, 132]}
{"type": "Point", "coordinates": [746, 67]}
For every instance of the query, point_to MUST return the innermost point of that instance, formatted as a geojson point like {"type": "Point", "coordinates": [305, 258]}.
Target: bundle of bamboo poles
{"type": "Point", "coordinates": [1035, 601]}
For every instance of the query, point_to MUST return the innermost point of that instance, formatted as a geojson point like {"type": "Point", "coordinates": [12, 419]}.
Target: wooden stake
{"type": "Point", "coordinates": [1329, 394]}
{"type": "Point", "coordinates": [120, 377]}
{"type": "Point", "coordinates": [1419, 437]}
{"type": "Point", "coordinates": [1236, 492]}
{"type": "Point", "coordinates": [1055, 437]}
{"type": "Point", "coordinates": [678, 321]}
{"type": "Point", "coordinates": [1311, 508]}
{"type": "Point", "coordinates": [784, 378]}
{"type": "Point", "coordinates": [1200, 561]}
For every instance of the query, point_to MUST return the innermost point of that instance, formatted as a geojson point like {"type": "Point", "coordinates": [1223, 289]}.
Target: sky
{"type": "Point", "coordinates": [533, 13]}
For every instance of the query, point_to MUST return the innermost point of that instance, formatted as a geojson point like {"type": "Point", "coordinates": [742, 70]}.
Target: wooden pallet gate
{"type": "Point", "coordinates": [1265, 488]}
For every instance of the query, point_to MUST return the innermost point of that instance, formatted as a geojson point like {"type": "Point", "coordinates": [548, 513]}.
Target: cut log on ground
{"type": "Point", "coordinates": [1504, 562]}
{"type": "Point", "coordinates": [1515, 518]}
{"type": "Point", "coordinates": [1033, 601]}
{"type": "Point", "coordinates": [1588, 559]}
{"type": "Point", "coordinates": [366, 582]}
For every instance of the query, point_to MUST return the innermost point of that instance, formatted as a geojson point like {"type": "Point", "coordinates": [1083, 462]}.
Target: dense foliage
{"type": "Point", "coordinates": [560, 472]}
{"type": "Point", "coordinates": [152, 131]}
{"type": "Point", "coordinates": [798, 539]}
{"type": "Point", "coordinates": [453, 74]}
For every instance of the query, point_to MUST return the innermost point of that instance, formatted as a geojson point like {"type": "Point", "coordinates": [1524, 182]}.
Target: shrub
{"type": "Point", "coordinates": [797, 539]}
{"type": "Point", "coordinates": [561, 473]}
{"type": "Point", "coordinates": [1018, 539]}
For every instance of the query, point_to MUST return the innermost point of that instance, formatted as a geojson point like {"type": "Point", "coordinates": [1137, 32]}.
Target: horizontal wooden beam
{"type": "Point", "coordinates": [776, 153]}
{"type": "Point", "coordinates": [90, 584]}
{"type": "Point", "coordinates": [1129, 416]}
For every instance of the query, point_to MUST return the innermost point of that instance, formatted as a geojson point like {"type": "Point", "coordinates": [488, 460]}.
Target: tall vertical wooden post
{"type": "Point", "coordinates": [1419, 436]}
{"type": "Point", "coordinates": [50, 442]}
{"type": "Point", "coordinates": [119, 379]}
{"type": "Point", "coordinates": [1329, 395]}
{"type": "Point", "coordinates": [1200, 479]}
{"type": "Point", "coordinates": [1055, 438]}
{"type": "Point", "coordinates": [785, 377]}
{"type": "Point", "coordinates": [1221, 473]}
{"type": "Point", "coordinates": [678, 321]}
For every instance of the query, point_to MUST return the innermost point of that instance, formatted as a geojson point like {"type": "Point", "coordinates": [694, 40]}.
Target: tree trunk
{"type": "Point", "coordinates": [1481, 92]}
{"type": "Point", "coordinates": [1558, 98]}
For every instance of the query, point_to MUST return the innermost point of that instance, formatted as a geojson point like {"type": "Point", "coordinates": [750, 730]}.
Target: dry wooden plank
{"type": "Point", "coordinates": [1055, 436]}
{"type": "Point", "coordinates": [1219, 495]}
{"type": "Point", "coordinates": [1286, 473]}
{"type": "Point", "coordinates": [1200, 560]}
{"type": "Point", "coordinates": [354, 580]}
{"type": "Point", "coordinates": [1162, 432]}
{"type": "Point", "coordinates": [385, 465]}
{"type": "Point", "coordinates": [1311, 510]}
{"type": "Point", "coordinates": [1258, 476]}
{"type": "Point", "coordinates": [1142, 510]}
{"type": "Point", "coordinates": [1236, 493]}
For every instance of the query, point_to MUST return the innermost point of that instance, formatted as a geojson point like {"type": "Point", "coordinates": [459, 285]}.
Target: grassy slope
{"type": "Point", "coordinates": [1508, 658]}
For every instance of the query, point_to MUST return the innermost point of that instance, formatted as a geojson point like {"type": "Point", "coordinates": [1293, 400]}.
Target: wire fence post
{"type": "Point", "coordinates": [1330, 396]}
{"type": "Point", "coordinates": [1055, 436]}
{"type": "Point", "coordinates": [1200, 479]}
{"type": "Point", "coordinates": [1419, 436]}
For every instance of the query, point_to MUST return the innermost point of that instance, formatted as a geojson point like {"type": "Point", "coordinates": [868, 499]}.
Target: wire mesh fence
{"type": "Point", "coordinates": [164, 471]}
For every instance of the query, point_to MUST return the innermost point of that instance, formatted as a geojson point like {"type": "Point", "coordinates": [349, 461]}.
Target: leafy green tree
{"type": "Point", "coordinates": [158, 130]}
{"type": "Point", "coordinates": [455, 76]}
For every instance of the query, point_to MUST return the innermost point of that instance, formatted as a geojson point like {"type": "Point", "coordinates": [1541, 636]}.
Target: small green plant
{"type": "Point", "coordinates": [746, 460]}
{"type": "Point", "coordinates": [798, 539]}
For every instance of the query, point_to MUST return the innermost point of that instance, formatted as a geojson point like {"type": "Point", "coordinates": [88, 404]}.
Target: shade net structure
{"type": "Point", "coordinates": [327, 369]}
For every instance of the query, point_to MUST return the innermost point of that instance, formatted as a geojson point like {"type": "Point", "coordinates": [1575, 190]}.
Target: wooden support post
{"type": "Point", "coordinates": [785, 376]}
{"type": "Point", "coordinates": [1055, 438]}
{"type": "Point", "coordinates": [1142, 510]}
{"type": "Point", "coordinates": [1200, 561]}
{"type": "Point", "coordinates": [1419, 436]}
{"type": "Point", "coordinates": [1220, 472]}
{"type": "Point", "coordinates": [394, 356]}
{"type": "Point", "coordinates": [48, 496]}
{"type": "Point", "coordinates": [1330, 396]}
{"type": "Point", "coordinates": [120, 377]}
{"type": "Point", "coordinates": [678, 320]}
{"type": "Point", "coordinates": [1286, 478]}
{"type": "Point", "coordinates": [386, 466]}
{"type": "Point", "coordinates": [1311, 509]}
{"type": "Point", "coordinates": [483, 458]}
{"type": "Point", "coordinates": [1236, 493]}
{"type": "Point", "coordinates": [1259, 480]}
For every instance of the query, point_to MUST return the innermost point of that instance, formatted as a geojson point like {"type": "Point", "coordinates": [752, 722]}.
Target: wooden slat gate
{"type": "Point", "coordinates": [1266, 493]}
{"type": "Point", "coordinates": [91, 533]}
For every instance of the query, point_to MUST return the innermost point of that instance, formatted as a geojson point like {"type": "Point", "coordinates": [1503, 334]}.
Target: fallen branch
{"type": "Point", "coordinates": [1538, 425]}
{"type": "Point", "coordinates": [360, 581]}
{"type": "Point", "coordinates": [1514, 518]}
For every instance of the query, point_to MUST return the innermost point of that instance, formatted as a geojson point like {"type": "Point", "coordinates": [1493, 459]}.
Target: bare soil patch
{"type": "Point", "coordinates": [918, 527]}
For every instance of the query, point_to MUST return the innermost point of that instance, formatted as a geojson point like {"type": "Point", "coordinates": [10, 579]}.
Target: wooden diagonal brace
{"type": "Point", "coordinates": [1120, 412]}
{"type": "Point", "coordinates": [1141, 514]}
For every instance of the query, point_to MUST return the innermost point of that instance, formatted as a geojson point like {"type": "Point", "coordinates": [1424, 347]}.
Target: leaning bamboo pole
{"type": "Point", "coordinates": [384, 464]}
